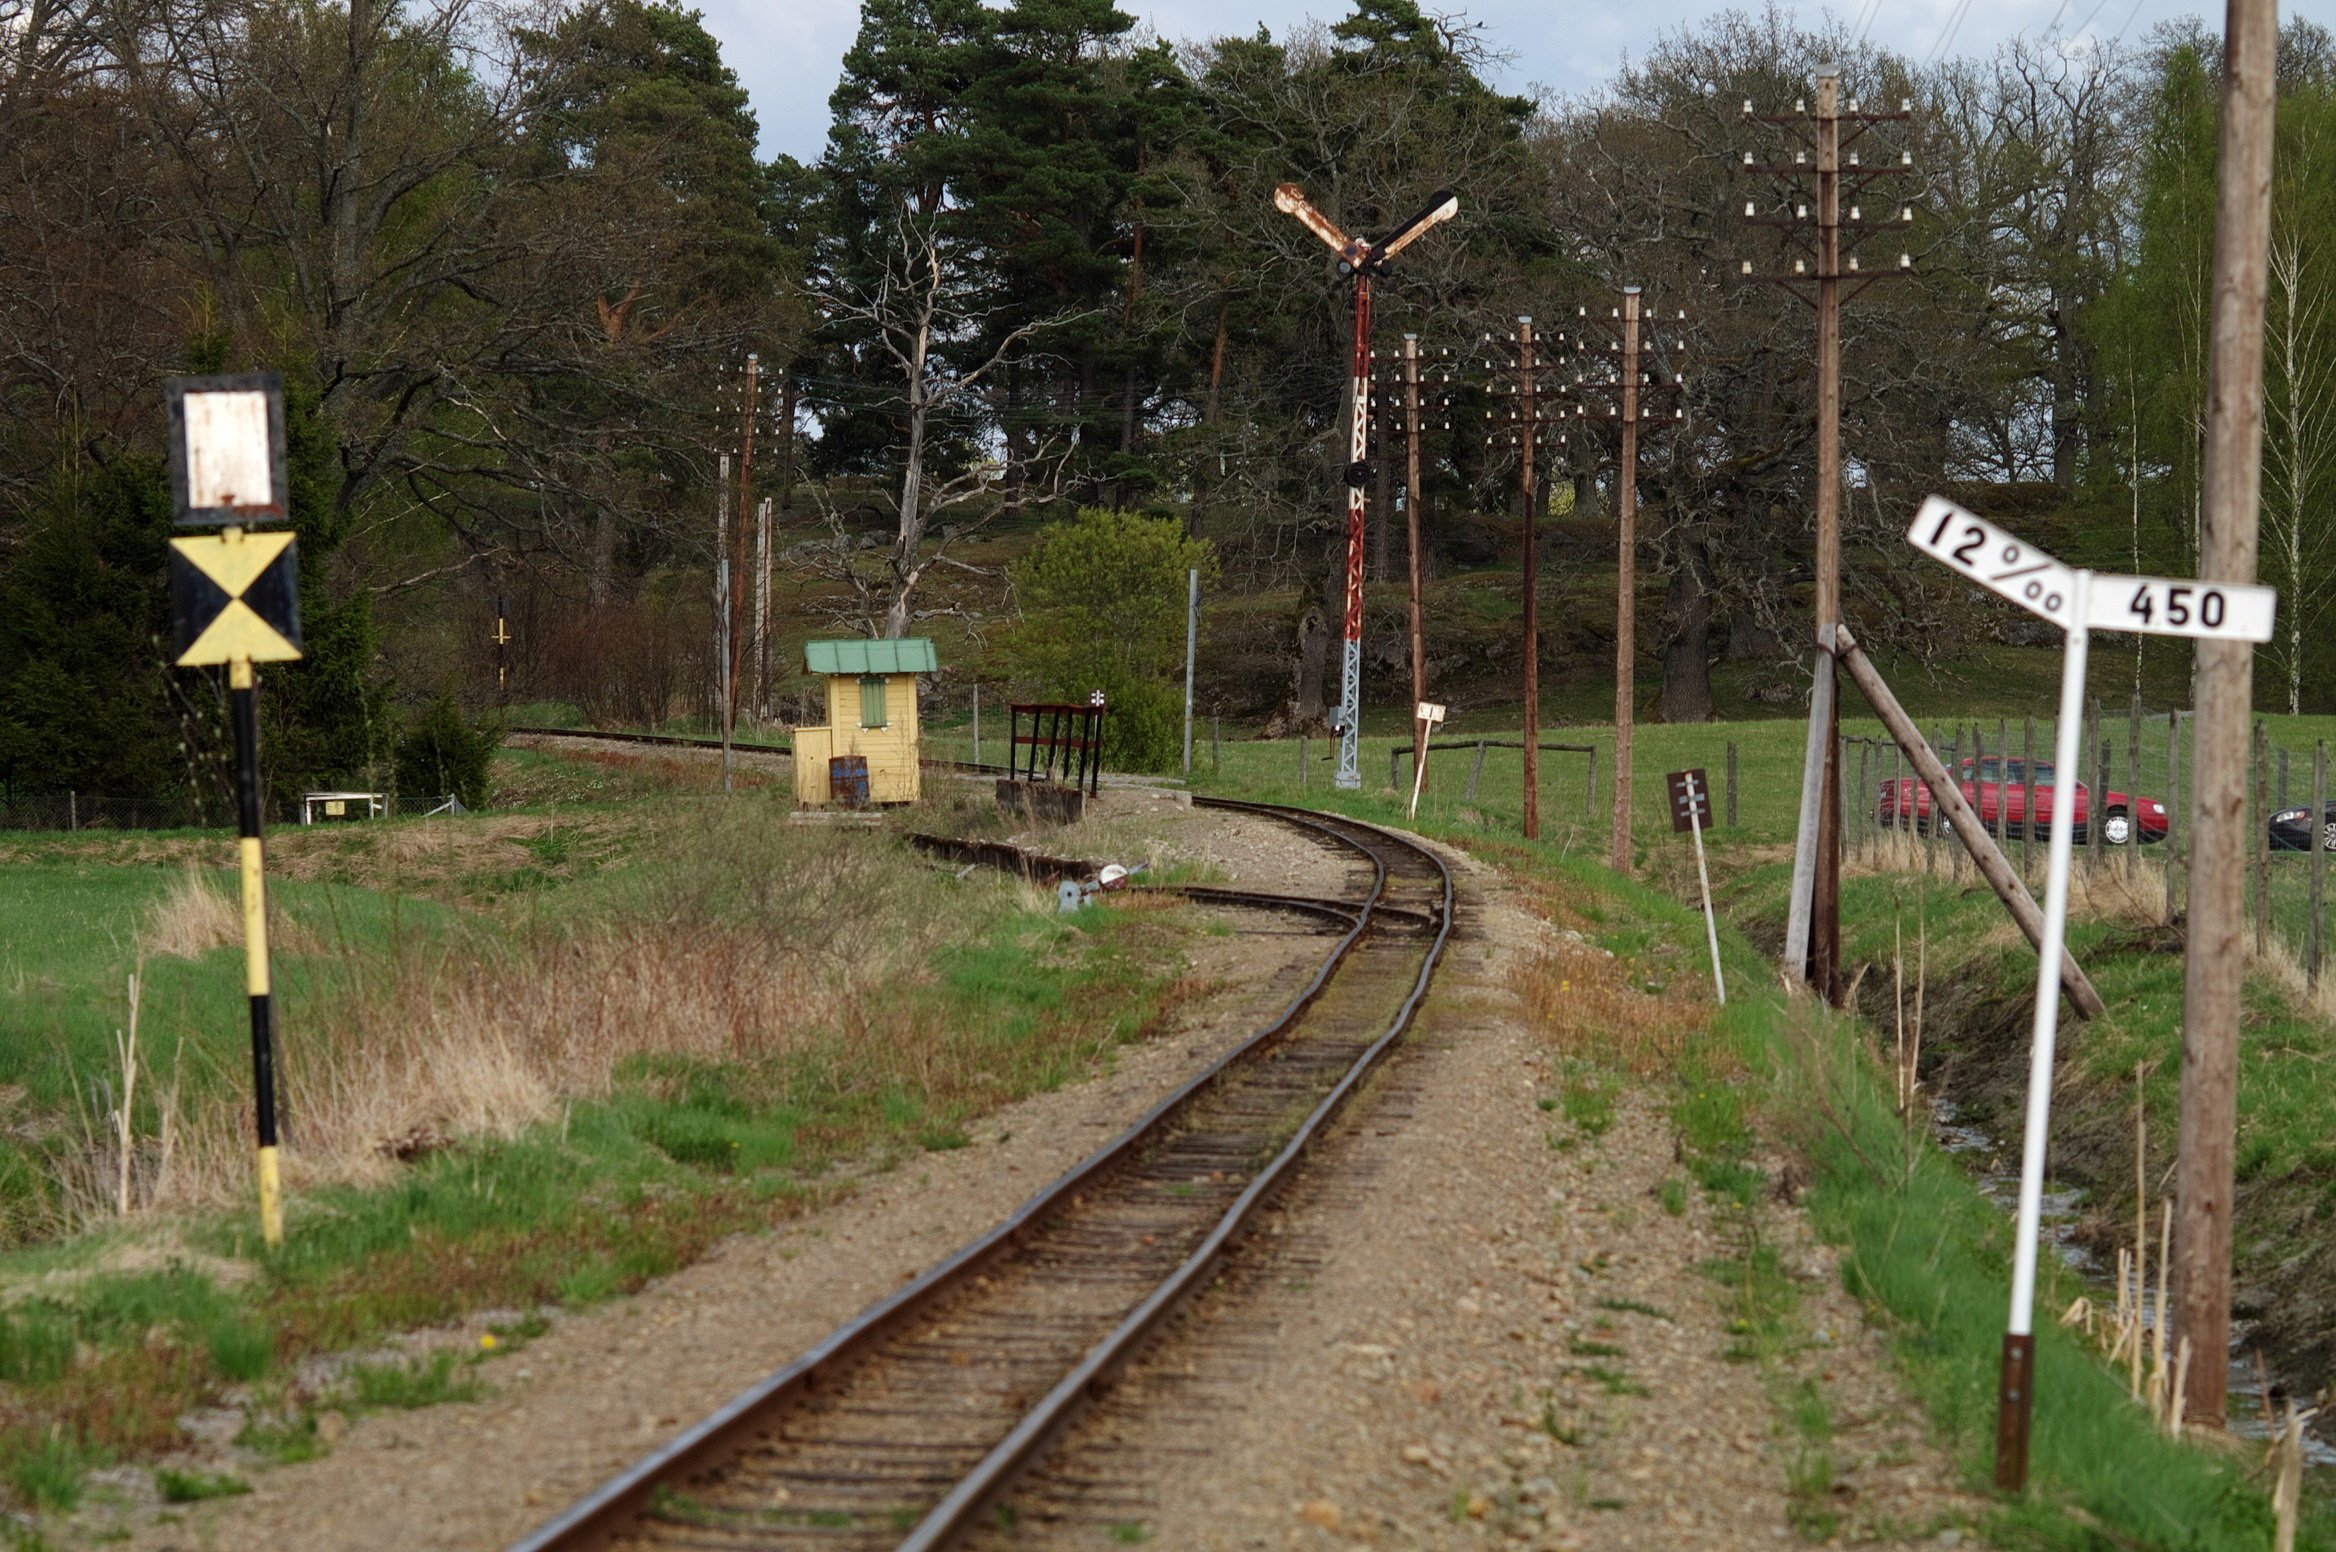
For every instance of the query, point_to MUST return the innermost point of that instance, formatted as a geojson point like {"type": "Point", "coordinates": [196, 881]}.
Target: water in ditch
{"type": "Point", "coordinates": [1996, 1170]}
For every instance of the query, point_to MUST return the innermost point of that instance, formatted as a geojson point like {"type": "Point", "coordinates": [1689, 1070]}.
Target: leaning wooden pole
{"type": "Point", "coordinates": [2230, 489]}
{"type": "Point", "coordinates": [1947, 798]}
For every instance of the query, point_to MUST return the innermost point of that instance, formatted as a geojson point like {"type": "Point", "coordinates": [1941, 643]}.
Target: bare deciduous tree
{"type": "Point", "coordinates": [919, 313]}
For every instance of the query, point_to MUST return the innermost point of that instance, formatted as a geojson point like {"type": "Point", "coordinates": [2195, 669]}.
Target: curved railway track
{"type": "Point", "coordinates": [899, 1429]}
{"type": "Point", "coordinates": [700, 741]}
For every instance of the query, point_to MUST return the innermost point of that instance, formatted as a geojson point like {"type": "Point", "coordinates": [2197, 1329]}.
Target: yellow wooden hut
{"type": "Point", "coordinates": [867, 752]}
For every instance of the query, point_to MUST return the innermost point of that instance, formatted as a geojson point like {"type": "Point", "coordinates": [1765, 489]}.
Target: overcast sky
{"type": "Point", "coordinates": [787, 51]}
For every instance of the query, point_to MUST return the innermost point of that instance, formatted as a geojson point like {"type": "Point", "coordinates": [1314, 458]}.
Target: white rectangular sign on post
{"type": "Point", "coordinates": [2171, 606]}
{"type": "Point", "coordinates": [1994, 559]}
{"type": "Point", "coordinates": [2079, 602]}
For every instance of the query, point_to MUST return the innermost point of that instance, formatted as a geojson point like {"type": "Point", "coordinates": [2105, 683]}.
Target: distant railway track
{"type": "Point", "coordinates": [698, 741]}
{"type": "Point", "coordinates": [901, 1427]}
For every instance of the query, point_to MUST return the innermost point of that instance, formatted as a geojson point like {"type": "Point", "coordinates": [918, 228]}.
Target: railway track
{"type": "Point", "coordinates": [899, 1429]}
{"type": "Point", "coordinates": [699, 741]}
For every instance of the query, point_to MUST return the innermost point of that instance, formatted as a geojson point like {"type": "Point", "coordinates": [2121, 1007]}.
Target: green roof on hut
{"type": "Point", "coordinates": [914, 655]}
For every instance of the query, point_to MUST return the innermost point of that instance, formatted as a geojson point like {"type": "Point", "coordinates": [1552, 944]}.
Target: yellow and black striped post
{"type": "Point", "coordinates": [242, 687]}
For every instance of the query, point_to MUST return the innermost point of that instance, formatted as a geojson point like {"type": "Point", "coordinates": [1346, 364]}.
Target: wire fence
{"type": "Point", "coordinates": [2133, 820]}
{"type": "Point", "coordinates": [74, 812]}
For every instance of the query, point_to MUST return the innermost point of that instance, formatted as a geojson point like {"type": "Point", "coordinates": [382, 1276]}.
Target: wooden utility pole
{"type": "Point", "coordinates": [737, 539]}
{"type": "Point", "coordinates": [1626, 394]}
{"type": "Point", "coordinates": [762, 607]}
{"type": "Point", "coordinates": [1626, 589]}
{"type": "Point", "coordinates": [1419, 646]}
{"type": "Point", "coordinates": [1531, 421]}
{"type": "Point", "coordinates": [2230, 484]}
{"type": "Point", "coordinates": [1527, 419]}
{"type": "Point", "coordinates": [1813, 922]}
{"type": "Point", "coordinates": [1825, 886]}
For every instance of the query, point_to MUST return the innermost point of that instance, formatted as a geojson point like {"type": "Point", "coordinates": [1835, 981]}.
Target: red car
{"type": "Point", "coordinates": [1998, 789]}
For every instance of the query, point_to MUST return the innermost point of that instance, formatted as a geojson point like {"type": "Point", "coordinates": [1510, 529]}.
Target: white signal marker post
{"type": "Point", "coordinates": [1690, 807]}
{"type": "Point", "coordinates": [2078, 602]}
{"type": "Point", "coordinates": [1430, 716]}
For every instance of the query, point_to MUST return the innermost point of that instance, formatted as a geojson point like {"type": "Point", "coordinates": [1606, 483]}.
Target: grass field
{"type": "Point", "coordinates": [532, 1057]}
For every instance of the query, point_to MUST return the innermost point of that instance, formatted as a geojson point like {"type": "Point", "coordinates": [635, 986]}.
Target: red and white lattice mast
{"type": "Point", "coordinates": [1358, 260]}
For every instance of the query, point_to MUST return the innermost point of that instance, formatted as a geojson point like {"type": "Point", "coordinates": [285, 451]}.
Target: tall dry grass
{"type": "Point", "coordinates": [745, 941]}
{"type": "Point", "coordinates": [1590, 1004]}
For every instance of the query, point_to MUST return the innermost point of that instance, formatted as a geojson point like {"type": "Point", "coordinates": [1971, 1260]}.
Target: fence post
{"type": "Point", "coordinates": [2262, 847]}
{"type": "Point", "coordinates": [977, 722]}
{"type": "Point", "coordinates": [1476, 772]}
{"type": "Point", "coordinates": [2282, 776]}
{"type": "Point", "coordinates": [1590, 791]}
{"type": "Point", "coordinates": [1731, 784]}
{"type": "Point", "coordinates": [1930, 827]}
{"type": "Point", "coordinates": [2176, 836]}
{"type": "Point", "coordinates": [2027, 790]}
{"type": "Point", "coordinates": [1216, 742]}
{"type": "Point", "coordinates": [72, 810]}
{"type": "Point", "coordinates": [1394, 775]}
{"type": "Point", "coordinates": [1979, 778]}
{"type": "Point", "coordinates": [1898, 815]}
{"type": "Point", "coordinates": [2098, 809]}
{"type": "Point", "coordinates": [1864, 798]}
{"type": "Point", "coordinates": [2316, 852]}
{"type": "Point", "coordinates": [1301, 762]}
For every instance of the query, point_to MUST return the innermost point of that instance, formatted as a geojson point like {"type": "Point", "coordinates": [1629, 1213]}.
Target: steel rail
{"type": "Point", "coordinates": [694, 741]}
{"type": "Point", "coordinates": [1060, 1406]}
{"type": "Point", "coordinates": [594, 1519]}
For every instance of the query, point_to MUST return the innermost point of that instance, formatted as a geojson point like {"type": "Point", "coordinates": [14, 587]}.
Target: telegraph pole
{"type": "Point", "coordinates": [1813, 923]}
{"type": "Point", "coordinates": [734, 557]}
{"type": "Point", "coordinates": [1626, 589]}
{"type": "Point", "coordinates": [1531, 422]}
{"type": "Point", "coordinates": [2230, 481]}
{"type": "Point", "coordinates": [1526, 420]}
{"type": "Point", "coordinates": [1419, 646]}
{"type": "Point", "coordinates": [762, 606]}
{"type": "Point", "coordinates": [1359, 261]}
{"type": "Point", "coordinates": [1628, 329]}
{"type": "Point", "coordinates": [1399, 388]}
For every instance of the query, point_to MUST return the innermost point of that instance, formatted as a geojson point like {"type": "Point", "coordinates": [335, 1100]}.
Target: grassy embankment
{"type": "Point", "coordinates": [531, 1058]}
{"type": "Point", "coordinates": [1922, 1246]}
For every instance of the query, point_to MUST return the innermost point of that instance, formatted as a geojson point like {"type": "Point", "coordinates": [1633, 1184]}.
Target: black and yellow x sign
{"type": "Point", "coordinates": [235, 596]}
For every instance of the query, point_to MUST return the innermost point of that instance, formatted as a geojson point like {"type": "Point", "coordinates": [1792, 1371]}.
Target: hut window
{"type": "Point", "coordinates": [872, 701]}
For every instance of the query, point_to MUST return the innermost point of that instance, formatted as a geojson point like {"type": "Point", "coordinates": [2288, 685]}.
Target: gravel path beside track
{"type": "Point", "coordinates": [1445, 1341]}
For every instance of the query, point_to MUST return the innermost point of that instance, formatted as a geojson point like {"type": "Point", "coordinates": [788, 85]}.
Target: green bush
{"type": "Point", "coordinates": [1103, 609]}
{"type": "Point", "coordinates": [444, 753]}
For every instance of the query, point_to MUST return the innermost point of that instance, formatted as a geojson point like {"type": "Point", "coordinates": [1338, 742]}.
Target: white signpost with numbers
{"type": "Point", "coordinates": [2079, 602]}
